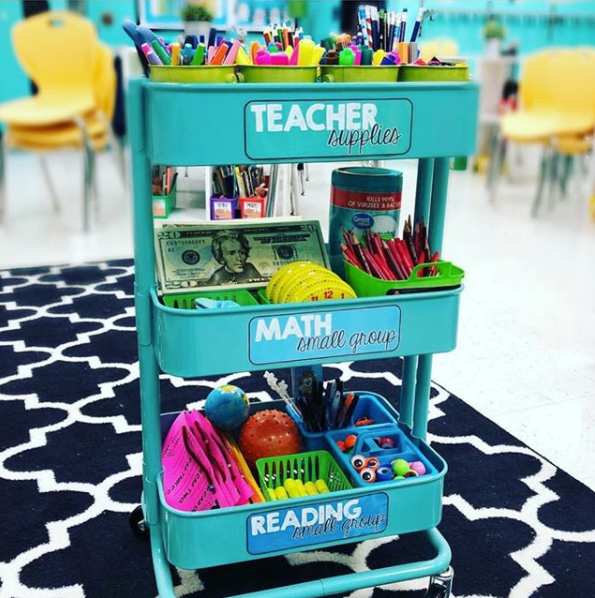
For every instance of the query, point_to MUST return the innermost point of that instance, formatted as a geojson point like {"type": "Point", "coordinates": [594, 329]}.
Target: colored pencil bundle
{"type": "Point", "coordinates": [391, 259]}
{"type": "Point", "coordinates": [286, 47]}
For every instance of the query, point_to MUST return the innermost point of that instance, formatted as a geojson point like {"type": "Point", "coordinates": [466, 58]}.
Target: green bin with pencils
{"type": "Point", "coordinates": [446, 275]}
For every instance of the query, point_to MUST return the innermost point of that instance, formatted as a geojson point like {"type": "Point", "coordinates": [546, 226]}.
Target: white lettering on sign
{"type": "Point", "coordinates": [298, 326]}
{"type": "Point", "coordinates": [306, 517]}
{"type": "Point", "coordinates": [277, 118]}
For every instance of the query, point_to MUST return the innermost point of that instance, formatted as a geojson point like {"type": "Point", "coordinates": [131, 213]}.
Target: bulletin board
{"type": "Point", "coordinates": [252, 15]}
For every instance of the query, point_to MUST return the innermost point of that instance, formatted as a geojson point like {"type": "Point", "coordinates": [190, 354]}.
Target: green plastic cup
{"type": "Point", "coordinates": [359, 74]}
{"type": "Point", "coordinates": [194, 74]}
{"type": "Point", "coordinates": [253, 73]}
{"type": "Point", "coordinates": [416, 73]}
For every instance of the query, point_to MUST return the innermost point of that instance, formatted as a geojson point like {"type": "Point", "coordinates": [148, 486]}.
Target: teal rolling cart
{"type": "Point", "coordinates": [201, 125]}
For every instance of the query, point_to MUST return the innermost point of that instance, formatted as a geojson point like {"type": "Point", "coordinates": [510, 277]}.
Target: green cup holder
{"type": "Point", "coordinates": [277, 74]}
{"type": "Point", "coordinates": [419, 73]}
{"type": "Point", "coordinates": [194, 74]}
{"type": "Point", "coordinates": [358, 74]}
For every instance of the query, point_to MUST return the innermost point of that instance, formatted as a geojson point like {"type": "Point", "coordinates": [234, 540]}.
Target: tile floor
{"type": "Point", "coordinates": [526, 351]}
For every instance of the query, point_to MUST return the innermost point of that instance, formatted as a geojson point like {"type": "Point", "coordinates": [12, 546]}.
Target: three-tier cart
{"type": "Point", "coordinates": [203, 125]}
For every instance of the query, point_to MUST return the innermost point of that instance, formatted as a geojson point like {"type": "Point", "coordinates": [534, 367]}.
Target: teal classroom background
{"type": "Point", "coordinates": [534, 24]}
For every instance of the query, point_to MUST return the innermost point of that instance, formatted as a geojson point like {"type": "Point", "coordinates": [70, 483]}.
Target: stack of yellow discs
{"type": "Point", "coordinates": [299, 282]}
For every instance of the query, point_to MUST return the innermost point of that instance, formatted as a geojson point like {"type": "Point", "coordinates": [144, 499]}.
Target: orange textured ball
{"type": "Point", "coordinates": [269, 433]}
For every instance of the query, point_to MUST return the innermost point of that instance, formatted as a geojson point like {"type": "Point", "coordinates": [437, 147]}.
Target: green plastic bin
{"type": "Point", "coordinates": [365, 285]}
{"type": "Point", "coordinates": [164, 205]}
{"type": "Point", "coordinates": [253, 73]}
{"type": "Point", "coordinates": [186, 300]}
{"type": "Point", "coordinates": [419, 73]}
{"type": "Point", "coordinates": [194, 74]}
{"type": "Point", "coordinates": [307, 467]}
{"type": "Point", "coordinates": [359, 74]}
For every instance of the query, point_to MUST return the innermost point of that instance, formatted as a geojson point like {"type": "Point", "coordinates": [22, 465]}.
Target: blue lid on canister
{"type": "Point", "coordinates": [367, 179]}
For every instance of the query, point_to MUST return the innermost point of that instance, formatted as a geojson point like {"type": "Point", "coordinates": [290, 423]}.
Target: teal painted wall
{"type": "Point", "coordinates": [13, 83]}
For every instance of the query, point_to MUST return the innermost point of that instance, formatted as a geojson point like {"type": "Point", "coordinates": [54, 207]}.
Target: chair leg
{"type": "Point", "coordinates": [566, 173]}
{"type": "Point", "coordinates": [307, 170]}
{"type": "Point", "coordinates": [3, 156]}
{"type": "Point", "coordinates": [544, 169]}
{"type": "Point", "coordinates": [553, 178]}
{"type": "Point", "coordinates": [293, 192]}
{"type": "Point", "coordinates": [495, 171]}
{"type": "Point", "coordinates": [88, 158]}
{"type": "Point", "coordinates": [45, 170]}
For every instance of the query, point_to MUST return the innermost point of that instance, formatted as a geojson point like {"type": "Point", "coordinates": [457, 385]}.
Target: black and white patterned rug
{"type": "Point", "coordinates": [70, 462]}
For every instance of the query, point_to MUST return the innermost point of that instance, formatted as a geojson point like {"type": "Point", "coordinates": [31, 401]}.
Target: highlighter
{"type": "Point", "coordinates": [220, 54]}
{"type": "Point", "coordinates": [347, 57]}
{"type": "Point", "coordinates": [233, 53]}
{"type": "Point", "coordinates": [293, 61]}
{"type": "Point", "coordinates": [289, 51]}
{"type": "Point", "coordinates": [367, 55]}
{"type": "Point", "coordinates": [175, 54]}
{"type": "Point", "coordinates": [389, 60]}
{"type": "Point", "coordinates": [358, 55]}
{"type": "Point", "coordinates": [199, 55]}
{"type": "Point", "coordinates": [317, 54]}
{"type": "Point", "coordinates": [279, 59]}
{"type": "Point", "coordinates": [243, 58]}
{"type": "Point", "coordinates": [254, 48]}
{"type": "Point", "coordinates": [163, 55]}
{"type": "Point", "coordinates": [306, 50]}
{"type": "Point", "coordinates": [152, 58]}
{"type": "Point", "coordinates": [263, 58]}
{"type": "Point", "coordinates": [378, 56]}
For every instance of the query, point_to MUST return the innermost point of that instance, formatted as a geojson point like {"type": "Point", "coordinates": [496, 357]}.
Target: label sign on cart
{"type": "Point", "coordinates": [343, 333]}
{"type": "Point", "coordinates": [331, 129]}
{"type": "Point", "coordinates": [318, 523]}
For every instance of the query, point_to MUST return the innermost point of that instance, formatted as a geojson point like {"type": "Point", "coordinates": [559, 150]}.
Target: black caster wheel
{"type": "Point", "coordinates": [137, 523]}
{"type": "Point", "coordinates": [436, 591]}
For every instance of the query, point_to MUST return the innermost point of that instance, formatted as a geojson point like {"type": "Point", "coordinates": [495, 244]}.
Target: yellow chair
{"type": "Point", "coordinates": [557, 97]}
{"type": "Point", "coordinates": [75, 103]}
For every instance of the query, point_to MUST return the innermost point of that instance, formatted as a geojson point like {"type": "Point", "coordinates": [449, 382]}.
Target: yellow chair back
{"type": "Point", "coordinates": [534, 87]}
{"type": "Point", "coordinates": [573, 80]}
{"type": "Point", "coordinates": [105, 81]}
{"type": "Point", "coordinates": [57, 50]}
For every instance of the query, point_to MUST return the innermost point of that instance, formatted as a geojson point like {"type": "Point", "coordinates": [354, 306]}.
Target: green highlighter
{"type": "Point", "coordinates": [199, 55]}
{"type": "Point", "coordinates": [347, 57]}
{"type": "Point", "coordinates": [163, 55]}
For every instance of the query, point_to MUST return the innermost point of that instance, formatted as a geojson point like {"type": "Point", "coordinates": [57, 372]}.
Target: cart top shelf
{"type": "Point", "coordinates": [201, 125]}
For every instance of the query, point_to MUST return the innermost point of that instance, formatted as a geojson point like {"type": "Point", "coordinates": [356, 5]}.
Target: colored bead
{"type": "Point", "coordinates": [341, 445]}
{"type": "Point", "coordinates": [384, 474]}
{"type": "Point", "coordinates": [400, 467]}
{"type": "Point", "coordinates": [386, 443]}
{"type": "Point", "coordinates": [350, 441]}
{"type": "Point", "coordinates": [372, 463]}
{"type": "Point", "coordinates": [418, 467]}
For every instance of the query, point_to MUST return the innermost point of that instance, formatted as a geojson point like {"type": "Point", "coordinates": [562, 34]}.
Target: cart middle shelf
{"type": "Point", "coordinates": [191, 343]}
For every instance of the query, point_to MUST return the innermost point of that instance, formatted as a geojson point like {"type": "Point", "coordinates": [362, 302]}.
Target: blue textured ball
{"type": "Point", "coordinates": [227, 407]}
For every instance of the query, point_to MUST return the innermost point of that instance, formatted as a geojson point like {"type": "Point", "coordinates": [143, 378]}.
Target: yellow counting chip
{"type": "Point", "coordinates": [300, 488]}
{"type": "Point", "coordinates": [304, 277]}
{"type": "Point", "coordinates": [281, 493]}
{"type": "Point", "coordinates": [321, 486]}
{"type": "Point", "coordinates": [310, 488]}
{"type": "Point", "coordinates": [288, 273]}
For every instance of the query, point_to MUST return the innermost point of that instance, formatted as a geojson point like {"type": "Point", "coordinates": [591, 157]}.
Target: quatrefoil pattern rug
{"type": "Point", "coordinates": [70, 462]}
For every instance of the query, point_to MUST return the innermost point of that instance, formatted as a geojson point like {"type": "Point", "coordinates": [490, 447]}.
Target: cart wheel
{"type": "Point", "coordinates": [137, 522]}
{"type": "Point", "coordinates": [436, 591]}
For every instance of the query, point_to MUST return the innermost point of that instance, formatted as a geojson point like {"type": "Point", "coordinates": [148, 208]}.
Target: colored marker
{"type": "Point", "coordinates": [175, 54]}
{"type": "Point", "coordinates": [159, 50]}
{"type": "Point", "coordinates": [152, 58]}
{"type": "Point", "coordinates": [199, 55]}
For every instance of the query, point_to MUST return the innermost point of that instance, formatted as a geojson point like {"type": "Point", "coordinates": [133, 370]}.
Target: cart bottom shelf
{"type": "Point", "coordinates": [225, 536]}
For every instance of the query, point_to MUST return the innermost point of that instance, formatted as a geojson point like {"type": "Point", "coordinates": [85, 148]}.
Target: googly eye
{"type": "Point", "coordinates": [373, 463]}
{"type": "Point", "coordinates": [358, 462]}
{"type": "Point", "coordinates": [368, 475]}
